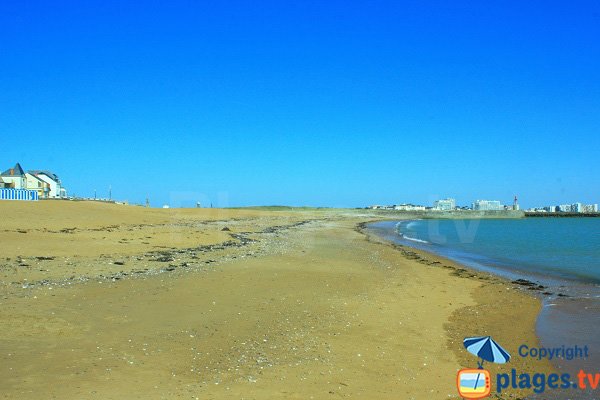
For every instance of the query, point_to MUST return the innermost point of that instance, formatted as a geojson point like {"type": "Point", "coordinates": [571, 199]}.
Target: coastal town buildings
{"type": "Point", "coordinates": [448, 204]}
{"type": "Point", "coordinates": [399, 207]}
{"type": "Point", "coordinates": [577, 207]}
{"type": "Point", "coordinates": [54, 185]}
{"type": "Point", "coordinates": [487, 205]}
{"type": "Point", "coordinates": [20, 185]}
{"type": "Point", "coordinates": [567, 208]}
{"type": "Point", "coordinates": [409, 207]}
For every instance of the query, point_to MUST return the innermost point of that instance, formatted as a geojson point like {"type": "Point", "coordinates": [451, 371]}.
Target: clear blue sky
{"type": "Point", "coordinates": [326, 103]}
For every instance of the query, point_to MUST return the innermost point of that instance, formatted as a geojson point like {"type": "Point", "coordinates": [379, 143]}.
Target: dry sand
{"type": "Point", "coordinates": [101, 301]}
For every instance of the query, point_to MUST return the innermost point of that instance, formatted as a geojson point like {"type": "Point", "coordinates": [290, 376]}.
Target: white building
{"type": "Point", "coordinates": [14, 177]}
{"type": "Point", "coordinates": [564, 208]}
{"type": "Point", "coordinates": [550, 208]}
{"type": "Point", "coordinates": [444, 204]}
{"type": "Point", "coordinates": [577, 207]}
{"type": "Point", "coordinates": [590, 208]}
{"type": "Point", "coordinates": [487, 205]}
{"type": "Point", "coordinates": [409, 207]}
{"type": "Point", "coordinates": [55, 189]}
{"type": "Point", "coordinates": [37, 184]}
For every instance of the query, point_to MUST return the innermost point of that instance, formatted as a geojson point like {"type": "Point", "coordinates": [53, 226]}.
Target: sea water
{"type": "Point", "coordinates": [562, 248]}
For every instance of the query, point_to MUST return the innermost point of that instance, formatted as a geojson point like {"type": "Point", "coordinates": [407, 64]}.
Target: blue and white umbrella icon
{"type": "Point", "coordinates": [487, 349]}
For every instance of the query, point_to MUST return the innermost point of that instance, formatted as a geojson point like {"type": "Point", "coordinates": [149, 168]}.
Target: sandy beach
{"type": "Point", "coordinates": [110, 301]}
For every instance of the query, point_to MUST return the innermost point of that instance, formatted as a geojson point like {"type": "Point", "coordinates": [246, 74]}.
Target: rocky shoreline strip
{"type": "Point", "coordinates": [170, 260]}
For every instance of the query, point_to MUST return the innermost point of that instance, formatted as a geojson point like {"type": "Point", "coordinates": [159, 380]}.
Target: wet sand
{"type": "Point", "coordinates": [111, 302]}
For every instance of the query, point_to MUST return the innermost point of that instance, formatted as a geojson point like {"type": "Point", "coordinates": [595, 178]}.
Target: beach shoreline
{"type": "Point", "coordinates": [432, 259]}
{"type": "Point", "coordinates": [293, 305]}
{"type": "Point", "coordinates": [568, 314]}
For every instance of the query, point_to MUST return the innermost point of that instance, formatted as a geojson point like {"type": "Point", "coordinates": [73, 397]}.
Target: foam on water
{"type": "Point", "coordinates": [413, 239]}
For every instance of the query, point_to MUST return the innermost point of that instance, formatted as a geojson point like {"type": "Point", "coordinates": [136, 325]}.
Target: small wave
{"type": "Point", "coordinates": [414, 239]}
{"type": "Point", "coordinates": [406, 225]}
{"type": "Point", "coordinates": [411, 224]}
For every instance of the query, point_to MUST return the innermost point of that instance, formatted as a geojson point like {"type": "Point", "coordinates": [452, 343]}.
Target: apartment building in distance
{"type": "Point", "coordinates": [487, 205]}
{"type": "Point", "coordinates": [448, 204]}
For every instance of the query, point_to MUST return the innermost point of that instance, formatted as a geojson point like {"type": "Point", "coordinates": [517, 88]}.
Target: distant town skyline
{"type": "Point", "coordinates": [450, 204]}
{"type": "Point", "coordinates": [339, 104]}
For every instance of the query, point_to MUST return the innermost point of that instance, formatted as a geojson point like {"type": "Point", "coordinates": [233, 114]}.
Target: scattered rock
{"type": "Point", "coordinates": [523, 282]}
{"type": "Point", "coordinates": [164, 259]}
